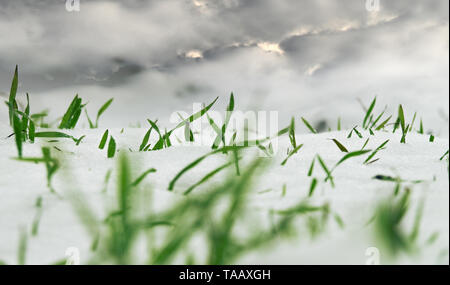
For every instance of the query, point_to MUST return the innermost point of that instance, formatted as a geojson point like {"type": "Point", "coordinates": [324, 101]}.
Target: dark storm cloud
{"type": "Point", "coordinates": [290, 55]}
{"type": "Point", "coordinates": [51, 44]}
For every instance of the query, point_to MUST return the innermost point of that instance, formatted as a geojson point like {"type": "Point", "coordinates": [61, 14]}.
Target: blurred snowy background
{"type": "Point", "coordinates": [311, 58]}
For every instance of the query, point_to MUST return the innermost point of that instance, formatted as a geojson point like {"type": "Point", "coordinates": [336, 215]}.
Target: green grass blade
{"type": "Point", "coordinates": [292, 133]}
{"type": "Point", "coordinates": [230, 109]}
{"type": "Point", "coordinates": [421, 127]}
{"type": "Point", "coordinates": [25, 118]}
{"type": "Point", "coordinates": [66, 119]}
{"type": "Point", "coordinates": [207, 177]}
{"type": "Point", "coordinates": [327, 171]}
{"type": "Point", "coordinates": [12, 96]}
{"type": "Point", "coordinates": [111, 147]}
{"type": "Point", "coordinates": [311, 167]}
{"type": "Point", "coordinates": [22, 250]}
{"type": "Point", "coordinates": [145, 140]}
{"type": "Point", "coordinates": [412, 122]}
{"type": "Point", "coordinates": [102, 110]}
{"type": "Point", "coordinates": [444, 155]}
{"type": "Point", "coordinates": [195, 116]}
{"type": "Point", "coordinates": [352, 154]}
{"type": "Point", "coordinates": [17, 125]}
{"type": "Point", "coordinates": [378, 118]}
{"type": "Point", "coordinates": [91, 124]}
{"type": "Point", "coordinates": [401, 116]}
{"type": "Point", "coordinates": [291, 153]}
{"type": "Point", "coordinates": [339, 145]}
{"type": "Point", "coordinates": [308, 125]}
{"type": "Point", "coordinates": [369, 112]}
{"type": "Point", "coordinates": [365, 143]}
{"type": "Point", "coordinates": [53, 135]}
{"type": "Point", "coordinates": [142, 177]}
{"type": "Point", "coordinates": [31, 131]}
{"type": "Point", "coordinates": [103, 140]}
{"type": "Point", "coordinates": [375, 152]}
{"type": "Point", "coordinates": [312, 187]}
{"type": "Point", "coordinates": [357, 132]}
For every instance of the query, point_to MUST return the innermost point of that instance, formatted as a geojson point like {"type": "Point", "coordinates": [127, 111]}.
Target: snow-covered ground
{"type": "Point", "coordinates": [355, 198]}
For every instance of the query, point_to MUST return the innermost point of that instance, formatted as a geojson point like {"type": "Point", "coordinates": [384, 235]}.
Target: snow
{"type": "Point", "coordinates": [354, 198]}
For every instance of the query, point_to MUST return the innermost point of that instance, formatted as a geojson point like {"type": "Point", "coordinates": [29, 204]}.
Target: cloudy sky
{"type": "Point", "coordinates": [312, 58]}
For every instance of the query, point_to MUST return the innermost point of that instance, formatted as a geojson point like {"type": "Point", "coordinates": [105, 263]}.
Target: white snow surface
{"type": "Point", "coordinates": [354, 198]}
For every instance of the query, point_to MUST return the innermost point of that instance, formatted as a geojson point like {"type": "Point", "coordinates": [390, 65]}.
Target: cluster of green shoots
{"type": "Point", "coordinates": [116, 236]}
{"type": "Point", "coordinates": [24, 125]}
{"type": "Point", "coordinates": [171, 233]}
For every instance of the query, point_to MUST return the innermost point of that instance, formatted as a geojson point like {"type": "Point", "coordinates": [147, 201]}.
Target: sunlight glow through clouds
{"type": "Point", "coordinates": [194, 54]}
{"type": "Point", "coordinates": [271, 47]}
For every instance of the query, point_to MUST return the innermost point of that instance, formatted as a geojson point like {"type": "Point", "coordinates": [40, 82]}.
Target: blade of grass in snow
{"type": "Point", "coordinates": [12, 96]}
{"type": "Point", "coordinates": [72, 114]}
{"type": "Point", "coordinates": [236, 160]}
{"type": "Point", "coordinates": [283, 190]}
{"type": "Point", "coordinates": [312, 187]}
{"type": "Point", "coordinates": [401, 116]}
{"type": "Point", "coordinates": [378, 118]}
{"type": "Point", "coordinates": [55, 135]}
{"type": "Point", "coordinates": [218, 132]}
{"type": "Point", "coordinates": [375, 151]}
{"type": "Point", "coordinates": [230, 109]}
{"type": "Point", "coordinates": [103, 140]}
{"type": "Point", "coordinates": [78, 141]}
{"type": "Point", "coordinates": [339, 220]}
{"type": "Point", "coordinates": [31, 131]}
{"type": "Point", "coordinates": [368, 113]}
{"type": "Point", "coordinates": [327, 171]}
{"type": "Point", "coordinates": [207, 177]}
{"type": "Point", "coordinates": [350, 155]}
{"type": "Point", "coordinates": [357, 132]}
{"type": "Point", "coordinates": [421, 127]}
{"type": "Point", "coordinates": [17, 125]}
{"type": "Point", "coordinates": [308, 125]}
{"type": "Point", "coordinates": [268, 151]}
{"type": "Point", "coordinates": [311, 167]}
{"type": "Point", "coordinates": [413, 121]}
{"type": "Point", "coordinates": [197, 161]}
{"type": "Point", "coordinates": [25, 119]}
{"type": "Point", "coordinates": [145, 140]}
{"type": "Point", "coordinates": [416, 226]}
{"type": "Point", "coordinates": [37, 217]}
{"type": "Point", "coordinates": [51, 165]}
{"type": "Point", "coordinates": [106, 180]}
{"type": "Point", "coordinates": [389, 219]}
{"type": "Point", "coordinates": [111, 147]}
{"type": "Point", "coordinates": [195, 116]}
{"type": "Point", "coordinates": [292, 133]}
{"type": "Point", "coordinates": [142, 177]}
{"type": "Point", "coordinates": [350, 134]}
{"type": "Point", "coordinates": [247, 143]}
{"type": "Point", "coordinates": [302, 208]}
{"type": "Point", "coordinates": [291, 153]}
{"type": "Point", "coordinates": [365, 143]}
{"type": "Point", "coordinates": [22, 250]}
{"type": "Point", "coordinates": [102, 110]}
{"type": "Point", "coordinates": [383, 124]}
{"type": "Point", "coordinates": [339, 145]}
{"type": "Point", "coordinates": [91, 124]}
{"type": "Point", "coordinates": [444, 155]}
